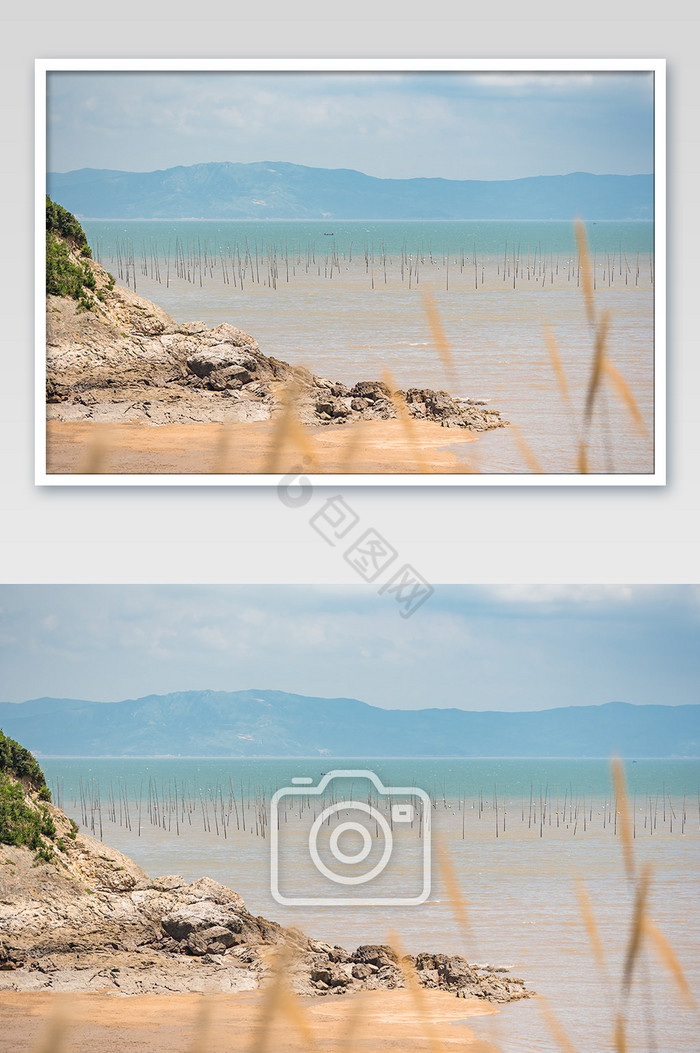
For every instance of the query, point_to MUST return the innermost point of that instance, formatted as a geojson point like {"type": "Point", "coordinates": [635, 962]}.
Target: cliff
{"type": "Point", "coordinates": [114, 356]}
{"type": "Point", "coordinates": [91, 919]}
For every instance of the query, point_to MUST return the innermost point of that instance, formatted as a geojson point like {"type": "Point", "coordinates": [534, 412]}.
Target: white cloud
{"type": "Point", "coordinates": [481, 647]}
{"type": "Point", "coordinates": [552, 122]}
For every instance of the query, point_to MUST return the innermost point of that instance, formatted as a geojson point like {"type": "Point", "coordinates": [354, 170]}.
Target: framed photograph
{"type": "Point", "coordinates": [353, 271]}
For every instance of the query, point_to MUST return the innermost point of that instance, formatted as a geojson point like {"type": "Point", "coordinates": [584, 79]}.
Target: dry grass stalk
{"type": "Point", "coordinates": [351, 1025]}
{"type": "Point", "coordinates": [601, 366]}
{"type": "Point", "coordinates": [601, 333]}
{"type": "Point", "coordinates": [621, 387]}
{"type": "Point", "coordinates": [555, 1026]}
{"type": "Point", "coordinates": [637, 930]}
{"type": "Point", "coordinates": [289, 432]}
{"type": "Point", "coordinates": [592, 928]}
{"type": "Point", "coordinates": [202, 1027]}
{"type": "Point", "coordinates": [294, 1012]}
{"type": "Point", "coordinates": [557, 366]}
{"type": "Point", "coordinates": [96, 454]}
{"type": "Point", "coordinates": [620, 1036]}
{"type": "Point", "coordinates": [441, 345]}
{"type": "Point", "coordinates": [399, 405]}
{"type": "Point", "coordinates": [586, 270]}
{"type": "Point", "coordinates": [526, 451]}
{"type": "Point", "coordinates": [279, 1000]}
{"type": "Point", "coordinates": [667, 956]}
{"type": "Point", "coordinates": [417, 994]}
{"type": "Point", "coordinates": [454, 894]}
{"type": "Point", "coordinates": [350, 453]}
{"type": "Point", "coordinates": [53, 1039]}
{"type": "Point", "coordinates": [622, 804]}
{"type": "Point", "coordinates": [222, 453]}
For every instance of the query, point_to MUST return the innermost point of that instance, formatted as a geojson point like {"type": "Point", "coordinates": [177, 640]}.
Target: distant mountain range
{"type": "Point", "coordinates": [277, 190]}
{"type": "Point", "coordinates": [275, 724]}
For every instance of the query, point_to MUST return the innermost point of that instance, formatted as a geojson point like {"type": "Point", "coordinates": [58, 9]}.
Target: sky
{"type": "Point", "coordinates": [455, 125]}
{"type": "Point", "coordinates": [471, 647]}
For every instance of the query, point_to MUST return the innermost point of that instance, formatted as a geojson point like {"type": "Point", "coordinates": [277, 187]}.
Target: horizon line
{"type": "Point", "coordinates": [316, 757]}
{"type": "Point", "coordinates": [344, 698]}
{"type": "Point", "coordinates": [356, 171]}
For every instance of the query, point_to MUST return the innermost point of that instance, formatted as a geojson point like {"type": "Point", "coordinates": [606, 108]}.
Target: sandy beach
{"type": "Point", "coordinates": [369, 447]}
{"type": "Point", "coordinates": [389, 1021]}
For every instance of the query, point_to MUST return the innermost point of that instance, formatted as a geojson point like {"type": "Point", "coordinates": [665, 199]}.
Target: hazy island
{"type": "Point", "coordinates": [264, 723]}
{"type": "Point", "coordinates": [280, 190]}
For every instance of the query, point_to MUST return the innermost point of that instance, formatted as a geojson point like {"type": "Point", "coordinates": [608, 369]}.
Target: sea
{"type": "Point", "coordinates": [493, 311]}
{"type": "Point", "coordinates": [534, 848]}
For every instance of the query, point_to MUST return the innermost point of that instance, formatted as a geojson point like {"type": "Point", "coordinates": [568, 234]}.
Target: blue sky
{"type": "Point", "coordinates": [473, 647]}
{"type": "Point", "coordinates": [392, 125]}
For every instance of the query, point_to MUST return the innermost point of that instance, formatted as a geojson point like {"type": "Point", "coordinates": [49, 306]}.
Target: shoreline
{"type": "Point", "coordinates": [256, 447]}
{"type": "Point", "coordinates": [78, 917]}
{"type": "Point", "coordinates": [232, 1023]}
{"type": "Point", "coordinates": [130, 391]}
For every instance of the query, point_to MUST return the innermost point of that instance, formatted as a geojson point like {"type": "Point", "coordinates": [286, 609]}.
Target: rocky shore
{"type": "Point", "coordinates": [126, 360]}
{"type": "Point", "coordinates": [90, 919]}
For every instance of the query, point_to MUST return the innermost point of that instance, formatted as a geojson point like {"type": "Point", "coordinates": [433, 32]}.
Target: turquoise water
{"type": "Point", "coordinates": [451, 779]}
{"type": "Point", "coordinates": [351, 238]}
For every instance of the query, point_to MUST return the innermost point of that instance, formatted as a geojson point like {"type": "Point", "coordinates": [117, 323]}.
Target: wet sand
{"type": "Point", "coordinates": [371, 447]}
{"type": "Point", "coordinates": [370, 1022]}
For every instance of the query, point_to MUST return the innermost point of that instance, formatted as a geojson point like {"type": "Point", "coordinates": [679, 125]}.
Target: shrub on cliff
{"type": "Point", "coordinates": [65, 277]}
{"type": "Point", "coordinates": [17, 761]}
{"type": "Point", "coordinates": [21, 824]}
{"type": "Point", "coordinates": [60, 221]}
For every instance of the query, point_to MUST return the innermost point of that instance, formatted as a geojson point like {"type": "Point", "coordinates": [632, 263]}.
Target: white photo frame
{"type": "Point", "coordinates": [657, 477]}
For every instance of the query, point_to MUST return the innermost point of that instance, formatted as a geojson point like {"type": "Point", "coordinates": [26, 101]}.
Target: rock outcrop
{"type": "Point", "coordinates": [125, 359]}
{"type": "Point", "coordinates": [91, 918]}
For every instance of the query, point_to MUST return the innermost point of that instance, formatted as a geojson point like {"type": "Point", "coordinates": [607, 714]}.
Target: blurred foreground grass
{"type": "Point", "coordinates": [416, 1019]}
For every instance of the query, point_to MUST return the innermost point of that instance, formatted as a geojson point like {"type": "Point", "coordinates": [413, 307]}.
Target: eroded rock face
{"type": "Point", "coordinates": [127, 360]}
{"type": "Point", "coordinates": [94, 919]}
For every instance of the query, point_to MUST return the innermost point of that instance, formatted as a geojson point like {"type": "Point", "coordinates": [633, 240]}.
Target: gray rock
{"type": "Point", "coordinates": [363, 971]}
{"type": "Point", "coordinates": [199, 917]}
{"type": "Point", "coordinates": [193, 327]}
{"type": "Point", "coordinates": [371, 390]}
{"type": "Point", "coordinates": [376, 954]}
{"type": "Point", "coordinates": [128, 360]}
{"type": "Point", "coordinates": [221, 358]}
{"type": "Point", "coordinates": [325, 407]}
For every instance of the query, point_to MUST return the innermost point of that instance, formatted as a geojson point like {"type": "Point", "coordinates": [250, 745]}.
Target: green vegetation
{"type": "Point", "coordinates": [44, 854]}
{"type": "Point", "coordinates": [65, 277]}
{"type": "Point", "coordinates": [16, 760]}
{"type": "Point", "coordinates": [20, 823]}
{"type": "Point", "coordinates": [60, 221]}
